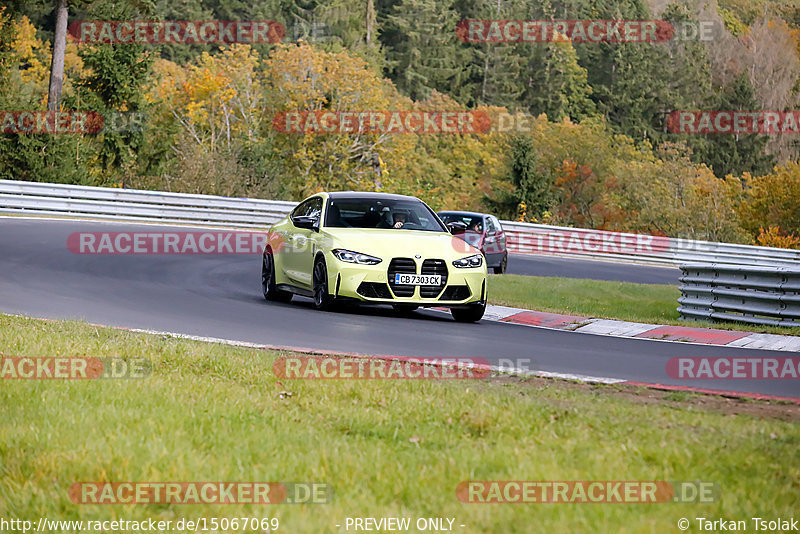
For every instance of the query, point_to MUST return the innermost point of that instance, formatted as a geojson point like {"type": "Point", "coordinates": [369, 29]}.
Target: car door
{"type": "Point", "coordinates": [496, 237]}
{"type": "Point", "coordinates": [302, 244]}
{"type": "Point", "coordinates": [491, 244]}
{"type": "Point", "coordinates": [291, 237]}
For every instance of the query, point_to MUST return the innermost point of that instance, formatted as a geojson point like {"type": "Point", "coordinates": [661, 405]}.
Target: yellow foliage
{"type": "Point", "coordinates": [25, 42]}
{"type": "Point", "coordinates": [30, 57]}
{"type": "Point", "coordinates": [772, 237]}
{"type": "Point", "coordinates": [306, 78]}
{"type": "Point", "coordinates": [29, 50]}
{"type": "Point", "coordinates": [773, 200]}
{"type": "Point", "coordinates": [168, 77]}
{"type": "Point", "coordinates": [215, 99]}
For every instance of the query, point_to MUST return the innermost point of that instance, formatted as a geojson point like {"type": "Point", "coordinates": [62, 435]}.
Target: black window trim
{"type": "Point", "coordinates": [303, 206]}
{"type": "Point", "coordinates": [431, 212]}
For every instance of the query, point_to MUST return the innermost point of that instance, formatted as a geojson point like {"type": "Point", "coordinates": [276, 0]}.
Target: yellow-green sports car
{"type": "Point", "coordinates": [376, 248]}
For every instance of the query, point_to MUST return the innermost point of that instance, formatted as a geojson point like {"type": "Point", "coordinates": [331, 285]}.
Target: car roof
{"type": "Point", "coordinates": [470, 213]}
{"type": "Point", "coordinates": [369, 194]}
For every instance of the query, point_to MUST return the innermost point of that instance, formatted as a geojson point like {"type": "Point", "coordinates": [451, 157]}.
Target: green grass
{"type": "Point", "coordinates": [642, 303]}
{"type": "Point", "coordinates": [214, 412]}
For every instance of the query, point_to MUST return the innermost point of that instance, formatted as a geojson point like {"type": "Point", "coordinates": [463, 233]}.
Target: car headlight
{"type": "Point", "coordinates": [471, 261]}
{"type": "Point", "coordinates": [355, 257]}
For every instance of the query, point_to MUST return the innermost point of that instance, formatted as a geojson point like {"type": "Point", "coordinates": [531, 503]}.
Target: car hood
{"type": "Point", "coordinates": [473, 238]}
{"type": "Point", "coordinates": [390, 243]}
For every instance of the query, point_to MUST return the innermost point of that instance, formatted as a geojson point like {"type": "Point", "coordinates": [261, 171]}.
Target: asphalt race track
{"type": "Point", "coordinates": [220, 296]}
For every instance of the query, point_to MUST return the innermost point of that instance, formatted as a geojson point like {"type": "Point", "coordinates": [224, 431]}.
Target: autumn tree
{"type": "Point", "coordinates": [449, 170]}
{"type": "Point", "coordinates": [773, 68]}
{"type": "Point", "coordinates": [220, 131]}
{"type": "Point", "coordinates": [670, 195]}
{"type": "Point", "coordinates": [302, 78]}
{"type": "Point", "coordinates": [773, 200]}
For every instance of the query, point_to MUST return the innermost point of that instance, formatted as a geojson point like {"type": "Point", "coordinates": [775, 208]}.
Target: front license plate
{"type": "Point", "coordinates": [418, 279]}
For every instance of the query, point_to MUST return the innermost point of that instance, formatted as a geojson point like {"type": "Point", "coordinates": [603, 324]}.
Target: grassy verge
{"type": "Point", "coordinates": [388, 448]}
{"type": "Point", "coordinates": [642, 303]}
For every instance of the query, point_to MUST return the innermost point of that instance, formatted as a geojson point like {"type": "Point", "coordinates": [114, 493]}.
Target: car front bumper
{"type": "Point", "coordinates": [370, 283]}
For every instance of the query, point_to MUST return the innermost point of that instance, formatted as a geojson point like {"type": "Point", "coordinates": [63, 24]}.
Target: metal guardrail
{"type": "Point", "coordinates": [134, 205]}
{"type": "Point", "coordinates": [155, 206]}
{"type": "Point", "coordinates": [755, 295]}
{"type": "Point", "coordinates": [639, 248]}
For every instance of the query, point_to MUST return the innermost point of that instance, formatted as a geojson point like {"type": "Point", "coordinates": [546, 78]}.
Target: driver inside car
{"type": "Point", "coordinates": [399, 219]}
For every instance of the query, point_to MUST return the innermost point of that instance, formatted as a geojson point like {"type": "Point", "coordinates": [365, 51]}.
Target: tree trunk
{"type": "Point", "coordinates": [57, 66]}
{"type": "Point", "coordinates": [370, 20]}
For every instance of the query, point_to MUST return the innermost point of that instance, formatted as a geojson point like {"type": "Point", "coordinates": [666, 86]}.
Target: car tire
{"type": "Point", "coordinates": [268, 286]}
{"type": "Point", "coordinates": [500, 269]}
{"type": "Point", "coordinates": [322, 298]}
{"type": "Point", "coordinates": [404, 308]}
{"type": "Point", "coordinates": [469, 314]}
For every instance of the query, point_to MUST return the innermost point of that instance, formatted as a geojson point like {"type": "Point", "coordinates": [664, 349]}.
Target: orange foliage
{"type": "Point", "coordinates": [772, 237]}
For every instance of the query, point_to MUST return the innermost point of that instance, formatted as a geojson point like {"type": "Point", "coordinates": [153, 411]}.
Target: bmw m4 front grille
{"type": "Point", "coordinates": [405, 266]}
{"type": "Point", "coordinates": [433, 267]}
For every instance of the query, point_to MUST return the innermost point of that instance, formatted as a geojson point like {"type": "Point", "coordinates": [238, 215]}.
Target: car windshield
{"type": "Point", "coordinates": [388, 213]}
{"type": "Point", "coordinates": [474, 222]}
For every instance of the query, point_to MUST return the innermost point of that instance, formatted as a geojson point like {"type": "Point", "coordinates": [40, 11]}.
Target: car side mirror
{"type": "Point", "coordinates": [456, 227]}
{"type": "Point", "coordinates": [303, 221]}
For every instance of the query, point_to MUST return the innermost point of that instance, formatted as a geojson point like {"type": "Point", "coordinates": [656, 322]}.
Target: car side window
{"type": "Point", "coordinates": [310, 208]}
{"type": "Point", "coordinates": [490, 228]}
{"type": "Point", "coordinates": [300, 210]}
{"type": "Point", "coordinates": [315, 208]}
{"type": "Point", "coordinates": [498, 227]}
